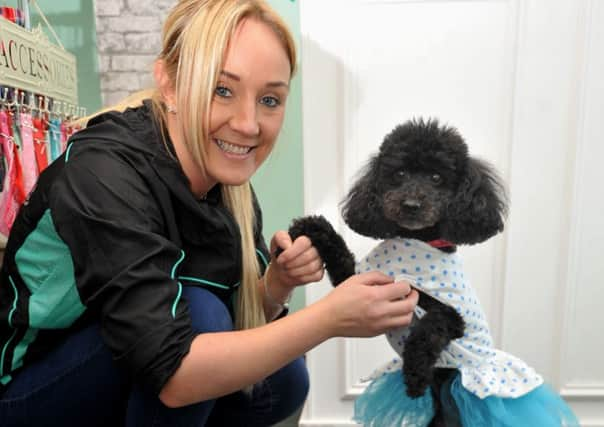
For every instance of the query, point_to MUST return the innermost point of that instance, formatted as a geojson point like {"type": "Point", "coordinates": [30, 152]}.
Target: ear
{"type": "Point", "coordinates": [479, 207]}
{"type": "Point", "coordinates": [362, 208]}
{"type": "Point", "coordinates": [165, 86]}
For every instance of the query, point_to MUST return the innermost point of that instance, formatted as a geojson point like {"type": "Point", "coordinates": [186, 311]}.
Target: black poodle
{"type": "Point", "coordinates": [422, 185]}
{"type": "Point", "coordinates": [422, 195]}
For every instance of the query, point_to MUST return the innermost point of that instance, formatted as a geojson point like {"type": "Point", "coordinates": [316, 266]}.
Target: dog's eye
{"type": "Point", "coordinates": [436, 178]}
{"type": "Point", "coordinates": [401, 174]}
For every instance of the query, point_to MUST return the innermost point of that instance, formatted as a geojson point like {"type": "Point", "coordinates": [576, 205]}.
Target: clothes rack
{"type": "Point", "coordinates": [38, 105]}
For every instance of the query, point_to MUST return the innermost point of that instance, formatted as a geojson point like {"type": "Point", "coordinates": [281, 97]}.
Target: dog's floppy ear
{"type": "Point", "coordinates": [362, 208]}
{"type": "Point", "coordinates": [479, 207]}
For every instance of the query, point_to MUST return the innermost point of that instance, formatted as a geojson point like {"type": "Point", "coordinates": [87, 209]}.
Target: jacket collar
{"type": "Point", "coordinates": [137, 128]}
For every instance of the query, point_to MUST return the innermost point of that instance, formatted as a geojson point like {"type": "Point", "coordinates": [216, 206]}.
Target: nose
{"type": "Point", "coordinates": [412, 205]}
{"type": "Point", "coordinates": [244, 119]}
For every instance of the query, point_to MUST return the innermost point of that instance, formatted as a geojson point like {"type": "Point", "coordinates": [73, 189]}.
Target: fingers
{"type": "Point", "coordinates": [400, 313]}
{"type": "Point", "coordinates": [299, 262]}
{"type": "Point", "coordinates": [291, 256]}
{"type": "Point", "coordinates": [302, 261]}
{"type": "Point", "coordinates": [281, 239]}
{"type": "Point", "coordinates": [402, 307]}
{"type": "Point", "coordinates": [372, 278]}
{"type": "Point", "coordinates": [310, 278]}
{"type": "Point", "coordinates": [304, 258]}
{"type": "Point", "coordinates": [388, 290]}
{"type": "Point", "coordinates": [396, 291]}
{"type": "Point", "coordinates": [311, 267]}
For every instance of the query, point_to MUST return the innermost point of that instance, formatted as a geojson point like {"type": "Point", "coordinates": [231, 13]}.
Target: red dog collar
{"type": "Point", "coordinates": [441, 244]}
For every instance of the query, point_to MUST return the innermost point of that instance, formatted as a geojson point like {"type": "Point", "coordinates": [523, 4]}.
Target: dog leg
{"type": "Point", "coordinates": [428, 337]}
{"type": "Point", "coordinates": [339, 260]}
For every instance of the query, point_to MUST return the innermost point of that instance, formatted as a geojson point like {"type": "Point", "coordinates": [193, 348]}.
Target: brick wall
{"type": "Point", "coordinates": [129, 39]}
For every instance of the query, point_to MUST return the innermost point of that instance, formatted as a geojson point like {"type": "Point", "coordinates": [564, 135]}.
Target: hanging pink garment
{"type": "Point", "coordinates": [40, 147]}
{"type": "Point", "coordinates": [28, 152]}
{"type": "Point", "coordinates": [12, 195]}
{"type": "Point", "coordinates": [19, 184]}
{"type": "Point", "coordinates": [64, 136]}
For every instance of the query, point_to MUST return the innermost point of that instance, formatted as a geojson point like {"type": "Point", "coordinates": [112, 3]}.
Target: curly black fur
{"type": "Point", "coordinates": [422, 184]}
{"type": "Point", "coordinates": [428, 338]}
{"type": "Point", "coordinates": [339, 261]}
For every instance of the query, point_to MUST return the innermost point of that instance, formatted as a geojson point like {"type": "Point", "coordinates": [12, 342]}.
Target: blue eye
{"type": "Point", "coordinates": [223, 92]}
{"type": "Point", "coordinates": [270, 101]}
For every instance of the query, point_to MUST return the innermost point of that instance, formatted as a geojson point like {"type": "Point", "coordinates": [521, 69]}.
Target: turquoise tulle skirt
{"type": "Point", "coordinates": [386, 404]}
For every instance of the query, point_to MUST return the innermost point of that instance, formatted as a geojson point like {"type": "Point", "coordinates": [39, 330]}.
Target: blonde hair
{"type": "Point", "coordinates": [195, 38]}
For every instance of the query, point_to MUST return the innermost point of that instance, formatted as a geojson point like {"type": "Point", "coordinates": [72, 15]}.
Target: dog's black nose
{"type": "Point", "coordinates": [411, 204]}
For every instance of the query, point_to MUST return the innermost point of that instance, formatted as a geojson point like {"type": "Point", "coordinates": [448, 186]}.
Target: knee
{"type": "Point", "coordinates": [301, 382]}
{"type": "Point", "coordinates": [290, 387]}
{"type": "Point", "coordinates": [208, 313]}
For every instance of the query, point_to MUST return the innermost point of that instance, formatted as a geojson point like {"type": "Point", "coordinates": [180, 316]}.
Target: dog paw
{"type": "Point", "coordinates": [339, 260]}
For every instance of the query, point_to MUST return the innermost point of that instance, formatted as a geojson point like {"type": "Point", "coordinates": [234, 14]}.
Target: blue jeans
{"type": "Point", "coordinates": [78, 384]}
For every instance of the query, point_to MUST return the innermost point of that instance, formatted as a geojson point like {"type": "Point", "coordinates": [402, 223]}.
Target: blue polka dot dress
{"type": "Point", "coordinates": [486, 375]}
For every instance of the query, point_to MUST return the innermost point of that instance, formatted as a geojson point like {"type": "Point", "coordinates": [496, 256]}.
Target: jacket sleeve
{"type": "Point", "coordinates": [262, 250]}
{"type": "Point", "coordinates": [124, 267]}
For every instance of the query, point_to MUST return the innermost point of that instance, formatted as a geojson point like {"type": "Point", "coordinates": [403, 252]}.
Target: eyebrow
{"type": "Point", "coordinates": [278, 83]}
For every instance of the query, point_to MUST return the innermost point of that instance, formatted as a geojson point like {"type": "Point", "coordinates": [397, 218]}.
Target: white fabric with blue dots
{"type": "Point", "coordinates": [485, 371]}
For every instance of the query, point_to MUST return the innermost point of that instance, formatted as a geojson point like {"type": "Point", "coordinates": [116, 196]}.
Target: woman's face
{"type": "Point", "coordinates": [249, 104]}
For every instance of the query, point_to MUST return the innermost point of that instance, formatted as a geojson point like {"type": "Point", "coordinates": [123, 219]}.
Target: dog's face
{"type": "Point", "coordinates": [423, 184]}
{"type": "Point", "coordinates": [419, 168]}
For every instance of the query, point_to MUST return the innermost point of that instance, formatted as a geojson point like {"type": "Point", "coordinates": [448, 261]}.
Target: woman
{"type": "Point", "coordinates": [140, 245]}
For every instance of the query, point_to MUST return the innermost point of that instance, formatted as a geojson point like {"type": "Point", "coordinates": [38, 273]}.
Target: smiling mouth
{"type": "Point", "coordinates": [232, 148]}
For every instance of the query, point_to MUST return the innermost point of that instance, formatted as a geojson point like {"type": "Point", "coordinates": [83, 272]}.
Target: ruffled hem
{"type": "Point", "coordinates": [501, 375]}
{"type": "Point", "coordinates": [395, 365]}
{"type": "Point", "coordinates": [541, 407]}
{"type": "Point", "coordinates": [385, 404]}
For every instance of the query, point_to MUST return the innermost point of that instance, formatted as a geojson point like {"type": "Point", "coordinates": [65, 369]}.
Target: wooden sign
{"type": "Point", "coordinates": [29, 61]}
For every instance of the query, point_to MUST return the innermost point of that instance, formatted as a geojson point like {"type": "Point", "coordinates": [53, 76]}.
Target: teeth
{"type": "Point", "coordinates": [230, 148]}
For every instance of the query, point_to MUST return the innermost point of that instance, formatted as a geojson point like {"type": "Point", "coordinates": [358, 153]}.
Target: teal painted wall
{"type": "Point", "coordinates": [279, 183]}
{"type": "Point", "coordinates": [74, 23]}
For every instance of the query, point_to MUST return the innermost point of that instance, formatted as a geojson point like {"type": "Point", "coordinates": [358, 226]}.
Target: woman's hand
{"type": "Point", "coordinates": [298, 264]}
{"type": "Point", "coordinates": [369, 304]}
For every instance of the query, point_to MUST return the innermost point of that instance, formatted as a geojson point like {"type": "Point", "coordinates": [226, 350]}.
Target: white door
{"type": "Point", "coordinates": [522, 81]}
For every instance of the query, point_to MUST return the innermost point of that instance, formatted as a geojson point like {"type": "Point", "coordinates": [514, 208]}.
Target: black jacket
{"type": "Point", "coordinates": [110, 234]}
